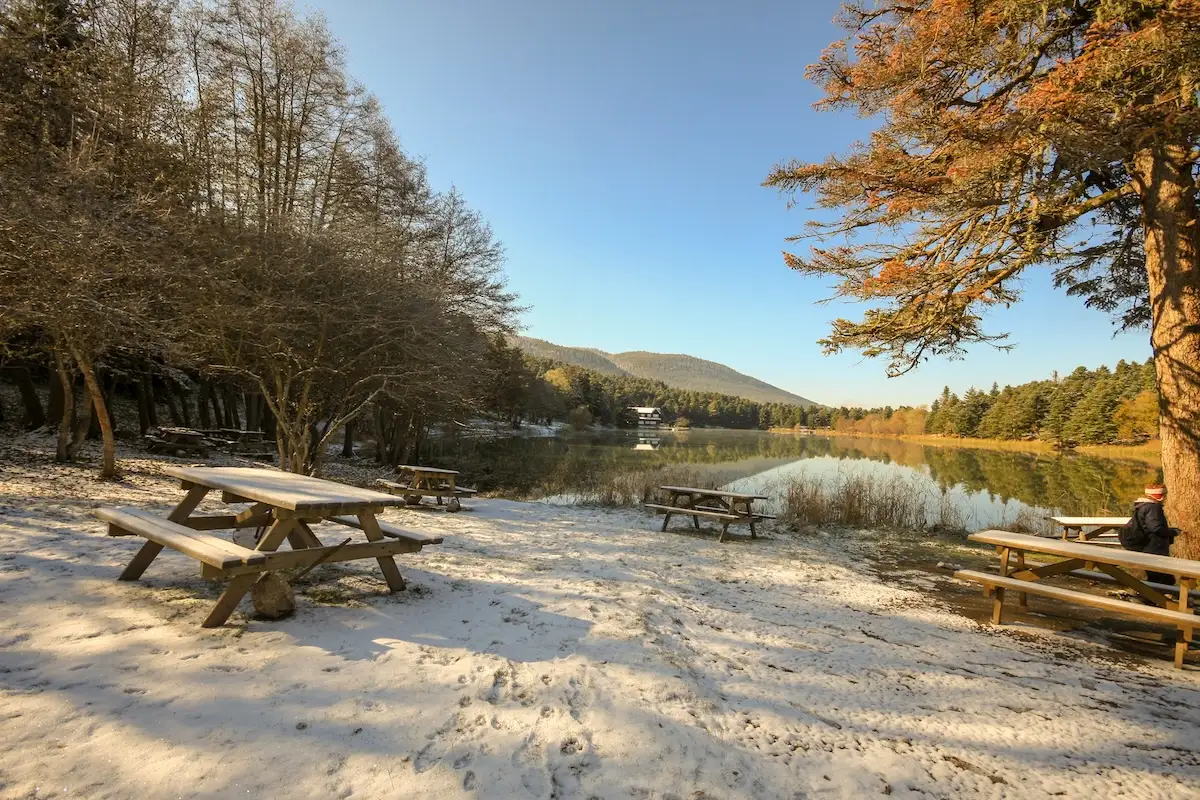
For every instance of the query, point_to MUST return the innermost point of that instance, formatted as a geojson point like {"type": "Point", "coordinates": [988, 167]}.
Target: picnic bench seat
{"type": "Point", "coordinates": [391, 531]}
{"type": "Point", "coordinates": [458, 491]}
{"type": "Point", "coordinates": [715, 513]}
{"type": "Point", "coordinates": [1181, 619]}
{"type": "Point", "coordinates": [755, 514]}
{"type": "Point", "coordinates": [204, 547]}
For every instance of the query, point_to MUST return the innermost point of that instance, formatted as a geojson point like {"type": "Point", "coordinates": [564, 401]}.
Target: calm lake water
{"type": "Point", "coordinates": [986, 488]}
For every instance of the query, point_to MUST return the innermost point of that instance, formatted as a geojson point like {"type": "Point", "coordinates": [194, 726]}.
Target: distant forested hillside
{"type": "Point", "coordinates": [579, 356]}
{"type": "Point", "coordinates": [676, 370]}
{"type": "Point", "coordinates": [1088, 406]}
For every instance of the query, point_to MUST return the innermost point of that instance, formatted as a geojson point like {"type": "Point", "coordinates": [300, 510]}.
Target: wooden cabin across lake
{"type": "Point", "coordinates": [647, 416]}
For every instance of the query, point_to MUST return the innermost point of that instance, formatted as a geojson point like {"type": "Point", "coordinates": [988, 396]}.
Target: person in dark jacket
{"type": "Point", "coordinates": [1148, 531]}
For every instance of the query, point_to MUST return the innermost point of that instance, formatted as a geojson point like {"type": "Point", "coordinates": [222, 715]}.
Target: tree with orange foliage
{"type": "Point", "coordinates": [1014, 134]}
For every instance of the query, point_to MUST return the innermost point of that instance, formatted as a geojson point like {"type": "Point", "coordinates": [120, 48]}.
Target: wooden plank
{"type": "Point", "coordinates": [391, 531]}
{"type": "Point", "coordinates": [201, 546]}
{"type": "Point", "coordinates": [712, 493]}
{"type": "Point", "coordinates": [1082, 598]}
{"type": "Point", "coordinates": [298, 559]}
{"type": "Point", "coordinates": [188, 505]}
{"type": "Point", "coordinates": [285, 490]}
{"type": "Point", "coordinates": [235, 590]}
{"type": "Point", "coordinates": [1089, 552]}
{"type": "Point", "coordinates": [694, 512]}
{"type": "Point", "coordinates": [1076, 522]}
{"type": "Point", "coordinates": [387, 565]}
{"type": "Point", "coordinates": [148, 552]}
{"type": "Point", "coordinates": [1170, 591]}
{"type": "Point", "coordinates": [1127, 580]}
{"type": "Point", "coordinates": [430, 470]}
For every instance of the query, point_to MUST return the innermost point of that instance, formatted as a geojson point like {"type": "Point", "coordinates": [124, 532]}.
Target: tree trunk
{"type": "Point", "coordinates": [202, 405]}
{"type": "Point", "coordinates": [54, 405]}
{"type": "Point", "coordinates": [83, 423]}
{"type": "Point", "coordinates": [1162, 173]}
{"type": "Point", "coordinates": [108, 462]}
{"type": "Point", "coordinates": [142, 407]}
{"type": "Point", "coordinates": [172, 409]}
{"type": "Point", "coordinates": [231, 408]}
{"type": "Point", "coordinates": [348, 441]}
{"type": "Point", "coordinates": [34, 417]}
{"type": "Point", "coordinates": [66, 406]}
{"type": "Point", "coordinates": [151, 402]}
{"type": "Point", "coordinates": [184, 405]}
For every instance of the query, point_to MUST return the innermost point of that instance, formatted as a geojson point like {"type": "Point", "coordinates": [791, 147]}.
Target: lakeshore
{"type": "Point", "coordinates": [1149, 452]}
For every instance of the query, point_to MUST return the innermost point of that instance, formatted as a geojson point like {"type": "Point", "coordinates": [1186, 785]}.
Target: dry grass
{"type": "Point", "coordinates": [635, 488]}
{"type": "Point", "coordinates": [862, 500]}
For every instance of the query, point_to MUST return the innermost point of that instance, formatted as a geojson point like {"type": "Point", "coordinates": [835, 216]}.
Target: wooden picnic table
{"type": "Point", "coordinates": [1074, 558]}
{"type": "Point", "coordinates": [417, 483]}
{"type": "Point", "coordinates": [1098, 527]}
{"type": "Point", "coordinates": [283, 506]}
{"type": "Point", "coordinates": [178, 440]}
{"type": "Point", "coordinates": [728, 508]}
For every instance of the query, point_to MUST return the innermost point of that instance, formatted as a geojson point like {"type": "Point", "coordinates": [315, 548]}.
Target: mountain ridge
{"type": "Point", "coordinates": [679, 370]}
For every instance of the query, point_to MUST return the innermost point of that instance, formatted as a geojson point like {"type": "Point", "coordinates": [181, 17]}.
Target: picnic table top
{"type": "Point", "coordinates": [1074, 522]}
{"type": "Point", "coordinates": [713, 492]}
{"type": "Point", "coordinates": [285, 490]}
{"type": "Point", "coordinates": [1090, 552]}
{"type": "Point", "coordinates": [434, 470]}
{"type": "Point", "coordinates": [167, 429]}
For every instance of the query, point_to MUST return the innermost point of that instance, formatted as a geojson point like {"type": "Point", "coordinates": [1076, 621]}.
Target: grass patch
{"type": "Point", "coordinates": [861, 500]}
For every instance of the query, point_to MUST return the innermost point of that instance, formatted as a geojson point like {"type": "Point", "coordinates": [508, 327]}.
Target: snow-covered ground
{"type": "Point", "coordinates": [545, 652]}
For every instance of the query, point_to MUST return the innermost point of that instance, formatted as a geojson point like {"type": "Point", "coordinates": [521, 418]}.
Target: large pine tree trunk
{"type": "Point", "coordinates": [1164, 180]}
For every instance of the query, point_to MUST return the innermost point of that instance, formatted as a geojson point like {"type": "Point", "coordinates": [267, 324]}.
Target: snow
{"type": "Point", "coordinates": [545, 651]}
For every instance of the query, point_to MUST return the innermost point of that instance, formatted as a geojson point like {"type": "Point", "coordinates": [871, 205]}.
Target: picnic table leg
{"type": "Point", "coordinates": [137, 566]}
{"type": "Point", "coordinates": [150, 550]}
{"type": "Point", "coordinates": [237, 587]}
{"type": "Point", "coordinates": [1181, 643]}
{"type": "Point", "coordinates": [387, 564]}
{"type": "Point", "coordinates": [306, 535]}
{"type": "Point", "coordinates": [997, 591]}
{"type": "Point", "coordinates": [724, 531]}
{"type": "Point", "coordinates": [1022, 598]}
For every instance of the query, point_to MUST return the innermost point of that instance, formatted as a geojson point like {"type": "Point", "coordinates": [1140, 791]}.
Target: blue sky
{"type": "Point", "coordinates": [617, 149]}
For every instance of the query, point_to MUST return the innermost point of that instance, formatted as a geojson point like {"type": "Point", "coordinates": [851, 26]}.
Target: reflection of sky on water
{"type": "Point", "coordinates": [980, 509]}
{"type": "Point", "coordinates": [972, 487]}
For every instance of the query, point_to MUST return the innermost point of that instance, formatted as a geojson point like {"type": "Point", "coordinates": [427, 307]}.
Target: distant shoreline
{"type": "Point", "coordinates": [1147, 452]}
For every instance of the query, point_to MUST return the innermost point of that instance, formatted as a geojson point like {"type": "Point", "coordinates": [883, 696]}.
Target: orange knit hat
{"type": "Point", "coordinates": [1155, 491]}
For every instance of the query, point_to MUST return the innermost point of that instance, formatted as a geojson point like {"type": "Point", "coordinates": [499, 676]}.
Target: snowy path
{"type": "Point", "coordinates": [546, 652]}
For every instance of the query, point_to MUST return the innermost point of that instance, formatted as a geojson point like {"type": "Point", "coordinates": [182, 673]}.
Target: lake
{"type": "Point", "coordinates": [985, 488]}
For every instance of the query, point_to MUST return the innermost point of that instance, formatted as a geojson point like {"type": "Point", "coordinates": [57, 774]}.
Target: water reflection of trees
{"type": "Point", "coordinates": [528, 466]}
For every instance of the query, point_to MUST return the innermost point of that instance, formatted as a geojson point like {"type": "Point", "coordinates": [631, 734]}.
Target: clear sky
{"type": "Point", "coordinates": [617, 149]}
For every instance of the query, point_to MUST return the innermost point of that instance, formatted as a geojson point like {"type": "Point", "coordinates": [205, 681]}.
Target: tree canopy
{"type": "Point", "coordinates": [1012, 135]}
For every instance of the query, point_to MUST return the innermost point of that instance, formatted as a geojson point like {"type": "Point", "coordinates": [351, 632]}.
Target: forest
{"type": "Point", "coordinates": [1100, 406]}
{"type": "Point", "coordinates": [201, 206]}
{"type": "Point", "coordinates": [541, 389]}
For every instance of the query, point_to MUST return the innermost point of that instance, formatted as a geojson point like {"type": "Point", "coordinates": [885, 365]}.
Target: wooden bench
{"type": "Point", "coordinates": [693, 512]}
{"type": "Point", "coordinates": [427, 487]}
{"type": "Point", "coordinates": [204, 547]}
{"type": "Point", "coordinates": [1076, 558]}
{"type": "Point", "coordinates": [391, 531]}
